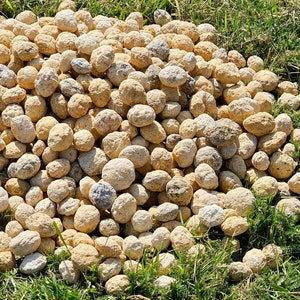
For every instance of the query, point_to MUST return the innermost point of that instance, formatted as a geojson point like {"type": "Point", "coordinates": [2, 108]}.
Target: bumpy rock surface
{"type": "Point", "coordinates": [119, 133]}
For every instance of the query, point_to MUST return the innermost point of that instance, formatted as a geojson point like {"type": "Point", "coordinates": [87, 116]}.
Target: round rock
{"type": "Point", "coordinates": [172, 76]}
{"type": "Point", "coordinates": [241, 200]}
{"type": "Point", "coordinates": [223, 132]}
{"type": "Point", "coordinates": [60, 137]}
{"type": "Point", "coordinates": [119, 173]}
{"type": "Point", "coordinates": [211, 215]}
{"type": "Point", "coordinates": [27, 166]}
{"type": "Point", "coordinates": [166, 212]}
{"type": "Point", "coordinates": [102, 195]}
{"type": "Point", "coordinates": [86, 218]}
{"type": "Point", "coordinates": [179, 191]}
{"type": "Point", "coordinates": [41, 223]}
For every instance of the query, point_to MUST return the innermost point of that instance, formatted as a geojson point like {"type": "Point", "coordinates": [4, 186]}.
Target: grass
{"type": "Point", "coordinates": [269, 29]}
{"type": "Point", "coordinates": [268, 225]}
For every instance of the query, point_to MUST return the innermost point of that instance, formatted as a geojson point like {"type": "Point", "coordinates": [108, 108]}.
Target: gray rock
{"type": "Point", "coordinates": [223, 132]}
{"type": "Point", "coordinates": [158, 48]}
{"type": "Point", "coordinates": [33, 263]}
{"type": "Point", "coordinates": [102, 195]}
{"type": "Point", "coordinates": [70, 86]}
{"type": "Point", "coordinates": [27, 166]}
{"type": "Point", "coordinates": [81, 65]}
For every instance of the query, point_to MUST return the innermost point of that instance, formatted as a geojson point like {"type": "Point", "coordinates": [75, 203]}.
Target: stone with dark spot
{"type": "Point", "coordinates": [223, 132]}
{"type": "Point", "coordinates": [102, 195]}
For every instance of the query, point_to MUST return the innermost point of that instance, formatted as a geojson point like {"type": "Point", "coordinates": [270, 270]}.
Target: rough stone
{"type": "Point", "coordinates": [25, 243]}
{"type": "Point", "coordinates": [211, 215]}
{"type": "Point", "coordinates": [68, 271]}
{"type": "Point", "coordinates": [102, 195]}
{"type": "Point", "coordinates": [234, 226]}
{"type": "Point", "coordinates": [255, 259]}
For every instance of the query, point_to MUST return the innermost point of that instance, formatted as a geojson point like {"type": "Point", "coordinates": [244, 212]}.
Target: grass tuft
{"type": "Point", "coordinates": [268, 225]}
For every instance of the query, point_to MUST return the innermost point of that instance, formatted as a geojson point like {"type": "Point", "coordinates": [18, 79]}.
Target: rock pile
{"type": "Point", "coordinates": [118, 132]}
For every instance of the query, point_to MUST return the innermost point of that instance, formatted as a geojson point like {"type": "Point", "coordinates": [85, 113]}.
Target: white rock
{"type": "Point", "coordinates": [68, 271]}
{"type": "Point", "coordinates": [211, 215]}
{"type": "Point", "coordinates": [164, 281]}
{"type": "Point", "coordinates": [33, 263]}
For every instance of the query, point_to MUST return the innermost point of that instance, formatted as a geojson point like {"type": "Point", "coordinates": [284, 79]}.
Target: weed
{"type": "Point", "coordinates": [268, 225]}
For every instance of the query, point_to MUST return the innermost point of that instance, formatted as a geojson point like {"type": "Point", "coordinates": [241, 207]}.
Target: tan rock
{"type": "Point", "coordinates": [133, 247]}
{"type": "Point", "coordinates": [108, 227]}
{"type": "Point", "coordinates": [22, 212]}
{"type": "Point", "coordinates": [239, 271]}
{"type": "Point", "coordinates": [109, 268]}
{"type": "Point", "coordinates": [156, 181]}
{"type": "Point", "coordinates": [181, 239]}
{"type": "Point", "coordinates": [234, 226]}
{"type": "Point", "coordinates": [141, 221]}
{"type": "Point", "coordinates": [41, 223]}
{"type": "Point", "coordinates": [237, 165]}
{"type": "Point", "coordinates": [3, 200]}
{"type": "Point", "coordinates": [256, 260]}
{"type": "Point", "coordinates": [268, 79]}
{"type": "Point", "coordinates": [4, 241]}
{"type": "Point", "coordinates": [259, 124]}
{"type": "Point", "coordinates": [260, 160]}
{"type": "Point", "coordinates": [13, 228]}
{"type": "Point", "coordinates": [223, 132]}
{"type": "Point", "coordinates": [119, 172]}
{"type": "Point", "coordinates": [23, 129]}
{"type": "Point", "coordinates": [114, 142]}
{"type": "Point", "coordinates": [184, 152]}
{"type": "Point", "coordinates": [179, 191]}
{"type": "Point", "coordinates": [164, 281]}
{"type": "Point", "coordinates": [206, 177]}
{"type": "Point", "coordinates": [107, 247]}
{"type": "Point", "coordinates": [239, 199]}
{"type": "Point", "coordinates": [92, 161]}
{"type": "Point", "coordinates": [58, 190]}
{"type": "Point", "coordinates": [86, 218]}
{"type": "Point", "coordinates": [68, 271]}
{"type": "Point", "coordinates": [271, 142]}
{"type": "Point", "coordinates": [228, 181]}
{"type": "Point", "coordinates": [265, 186]}
{"type": "Point", "coordinates": [25, 243]}
{"type": "Point", "coordinates": [7, 261]}
{"type": "Point", "coordinates": [58, 168]}
{"type": "Point", "coordinates": [84, 256]}
{"type": "Point", "coordinates": [211, 215]}
{"type": "Point", "coordinates": [281, 165]}
{"type": "Point", "coordinates": [123, 208]}
{"type": "Point", "coordinates": [60, 137]}
{"type": "Point", "coordinates": [116, 284]}
{"type": "Point", "coordinates": [294, 183]}
{"type": "Point", "coordinates": [153, 133]}
{"type": "Point", "coordinates": [290, 207]}
{"type": "Point", "coordinates": [273, 254]}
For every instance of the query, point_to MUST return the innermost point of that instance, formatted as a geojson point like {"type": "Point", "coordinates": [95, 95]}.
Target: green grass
{"type": "Point", "coordinates": [269, 29]}
{"type": "Point", "coordinates": [268, 225]}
